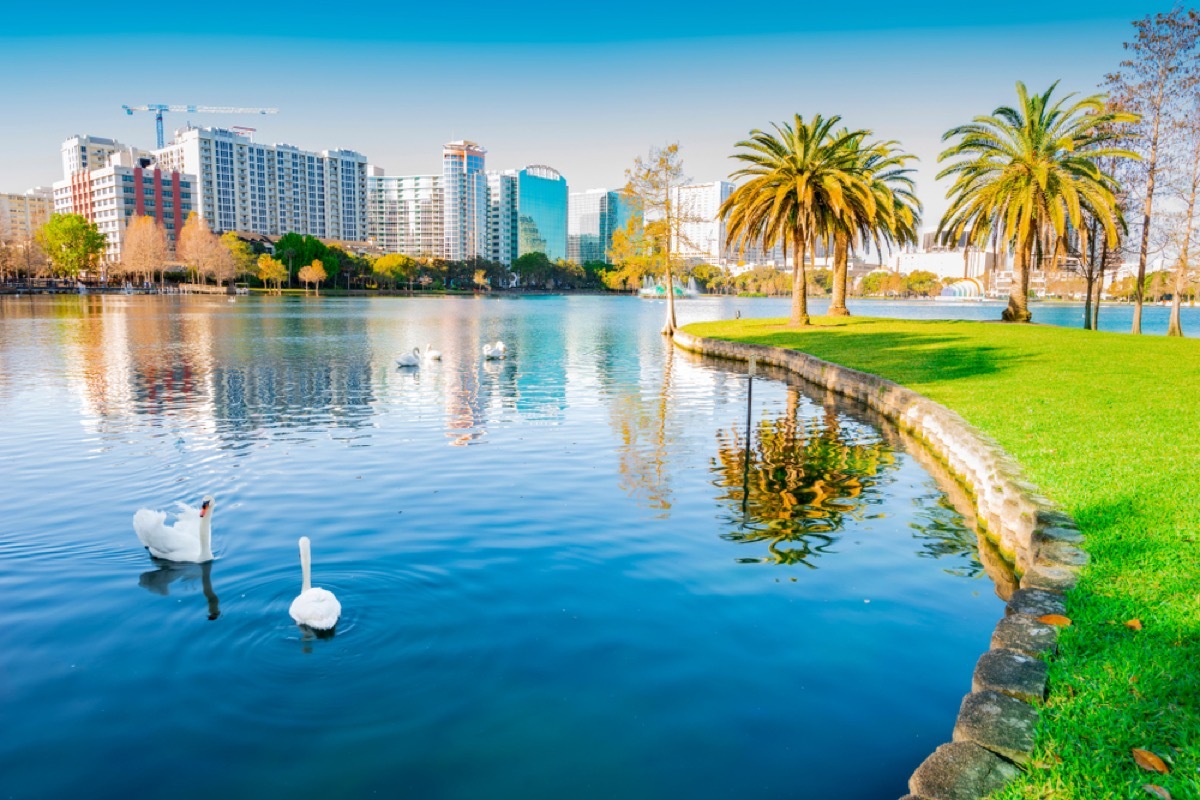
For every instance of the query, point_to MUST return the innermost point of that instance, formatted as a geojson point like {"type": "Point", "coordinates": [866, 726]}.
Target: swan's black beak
{"type": "Point", "coordinates": [203, 509]}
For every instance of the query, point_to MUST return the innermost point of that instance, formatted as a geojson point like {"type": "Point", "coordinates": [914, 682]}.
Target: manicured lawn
{"type": "Point", "coordinates": [1108, 425]}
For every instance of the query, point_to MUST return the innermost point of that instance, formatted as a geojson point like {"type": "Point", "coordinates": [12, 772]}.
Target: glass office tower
{"type": "Point", "coordinates": [541, 212]}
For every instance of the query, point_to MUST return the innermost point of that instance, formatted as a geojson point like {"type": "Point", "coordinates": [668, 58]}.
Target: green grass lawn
{"type": "Point", "coordinates": [1108, 426]}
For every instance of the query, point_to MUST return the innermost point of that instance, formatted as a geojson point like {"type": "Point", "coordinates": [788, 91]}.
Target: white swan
{"type": "Point", "coordinates": [189, 539]}
{"type": "Point", "coordinates": [412, 359]}
{"type": "Point", "coordinates": [315, 607]}
{"type": "Point", "coordinates": [431, 354]}
{"type": "Point", "coordinates": [501, 348]}
{"type": "Point", "coordinates": [497, 350]}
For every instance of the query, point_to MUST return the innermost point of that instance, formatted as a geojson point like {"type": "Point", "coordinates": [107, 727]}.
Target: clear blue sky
{"type": "Point", "coordinates": [581, 87]}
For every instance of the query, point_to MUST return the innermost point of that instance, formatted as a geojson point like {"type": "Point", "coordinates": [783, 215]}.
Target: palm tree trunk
{"type": "Point", "coordinates": [800, 283]}
{"type": "Point", "coordinates": [1018, 294]}
{"type": "Point", "coordinates": [841, 254]}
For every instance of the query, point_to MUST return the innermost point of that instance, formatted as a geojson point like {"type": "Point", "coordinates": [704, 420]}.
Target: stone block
{"type": "Point", "coordinates": [1050, 578]}
{"type": "Point", "coordinates": [1036, 602]}
{"type": "Point", "coordinates": [1061, 554]}
{"type": "Point", "coordinates": [1024, 634]}
{"type": "Point", "coordinates": [1052, 517]}
{"type": "Point", "coordinates": [1046, 534]}
{"type": "Point", "coordinates": [1011, 673]}
{"type": "Point", "coordinates": [998, 722]}
{"type": "Point", "coordinates": [961, 771]}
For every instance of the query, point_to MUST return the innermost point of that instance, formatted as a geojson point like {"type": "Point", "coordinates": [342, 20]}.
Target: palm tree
{"type": "Point", "coordinates": [1028, 172]}
{"type": "Point", "coordinates": [897, 215]}
{"type": "Point", "coordinates": [803, 181]}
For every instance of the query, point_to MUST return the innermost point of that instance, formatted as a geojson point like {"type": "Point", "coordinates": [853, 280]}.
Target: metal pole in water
{"type": "Point", "coordinates": [753, 364]}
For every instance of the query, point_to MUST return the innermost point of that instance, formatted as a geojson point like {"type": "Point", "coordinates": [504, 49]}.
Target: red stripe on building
{"type": "Point", "coordinates": [158, 198]}
{"type": "Point", "coordinates": [178, 204]}
{"type": "Point", "coordinates": [139, 201]}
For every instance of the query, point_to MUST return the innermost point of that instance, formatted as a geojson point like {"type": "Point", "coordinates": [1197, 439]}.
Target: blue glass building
{"type": "Point", "coordinates": [542, 212]}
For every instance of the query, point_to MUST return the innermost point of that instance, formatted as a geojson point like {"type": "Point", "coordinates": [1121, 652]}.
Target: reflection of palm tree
{"type": "Point", "coordinates": [797, 482]}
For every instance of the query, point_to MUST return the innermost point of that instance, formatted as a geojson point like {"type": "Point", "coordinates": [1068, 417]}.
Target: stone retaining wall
{"type": "Point", "coordinates": [994, 733]}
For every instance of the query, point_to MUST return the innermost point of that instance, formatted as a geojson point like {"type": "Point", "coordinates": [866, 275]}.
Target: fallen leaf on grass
{"type": "Point", "coordinates": [1057, 620]}
{"type": "Point", "coordinates": [1156, 790]}
{"type": "Point", "coordinates": [1148, 761]}
{"type": "Point", "coordinates": [1134, 624]}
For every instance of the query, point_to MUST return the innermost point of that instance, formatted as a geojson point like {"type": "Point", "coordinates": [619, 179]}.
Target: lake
{"type": "Point", "coordinates": [569, 573]}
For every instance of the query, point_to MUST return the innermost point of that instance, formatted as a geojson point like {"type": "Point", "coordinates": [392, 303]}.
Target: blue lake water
{"type": "Point", "coordinates": [563, 574]}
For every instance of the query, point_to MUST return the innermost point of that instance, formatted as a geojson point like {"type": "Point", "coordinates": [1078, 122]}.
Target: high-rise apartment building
{"type": "Point", "coordinates": [502, 217]}
{"type": "Point", "coordinates": [700, 234]}
{"type": "Point", "coordinates": [465, 201]}
{"type": "Point", "coordinates": [22, 214]}
{"type": "Point", "coordinates": [271, 189]}
{"type": "Point", "coordinates": [91, 152]}
{"type": "Point", "coordinates": [128, 186]}
{"type": "Point", "coordinates": [542, 212]}
{"type": "Point", "coordinates": [593, 216]}
{"type": "Point", "coordinates": [404, 214]}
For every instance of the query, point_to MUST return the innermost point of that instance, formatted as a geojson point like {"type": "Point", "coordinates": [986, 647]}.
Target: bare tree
{"type": "Point", "coordinates": [1160, 71]}
{"type": "Point", "coordinates": [651, 182]}
{"type": "Point", "coordinates": [145, 248]}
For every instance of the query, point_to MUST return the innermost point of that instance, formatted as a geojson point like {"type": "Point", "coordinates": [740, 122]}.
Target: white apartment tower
{"type": "Point", "coordinates": [503, 226]}
{"type": "Point", "coordinates": [271, 189]}
{"type": "Point", "coordinates": [82, 153]}
{"type": "Point", "coordinates": [22, 214]}
{"type": "Point", "coordinates": [465, 201]}
{"type": "Point", "coordinates": [701, 233]}
{"type": "Point", "coordinates": [404, 214]}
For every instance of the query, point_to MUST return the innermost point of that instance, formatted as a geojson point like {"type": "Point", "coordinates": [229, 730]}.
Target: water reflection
{"type": "Point", "coordinates": [158, 581]}
{"type": "Point", "coordinates": [792, 485]}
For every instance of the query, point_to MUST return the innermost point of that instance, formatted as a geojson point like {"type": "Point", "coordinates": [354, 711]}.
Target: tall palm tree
{"type": "Point", "coordinates": [803, 181]}
{"type": "Point", "coordinates": [1030, 171]}
{"type": "Point", "coordinates": [897, 216]}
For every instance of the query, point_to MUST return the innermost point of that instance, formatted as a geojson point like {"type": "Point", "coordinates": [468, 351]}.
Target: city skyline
{"type": "Point", "coordinates": [585, 108]}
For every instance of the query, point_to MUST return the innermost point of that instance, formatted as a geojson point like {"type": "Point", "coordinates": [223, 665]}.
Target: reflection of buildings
{"type": "Point", "coordinates": [594, 216]}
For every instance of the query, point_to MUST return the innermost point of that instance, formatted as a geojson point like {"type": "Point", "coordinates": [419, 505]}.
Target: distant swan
{"type": "Point", "coordinates": [412, 359]}
{"type": "Point", "coordinates": [431, 354]}
{"type": "Point", "coordinates": [315, 608]}
{"type": "Point", "coordinates": [497, 350]}
{"type": "Point", "coordinates": [189, 539]}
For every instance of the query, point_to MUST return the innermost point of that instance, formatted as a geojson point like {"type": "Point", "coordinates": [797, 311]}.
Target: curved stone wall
{"type": "Point", "coordinates": [994, 733]}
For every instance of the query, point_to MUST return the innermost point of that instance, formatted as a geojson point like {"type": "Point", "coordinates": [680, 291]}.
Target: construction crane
{"type": "Point", "coordinates": [159, 108]}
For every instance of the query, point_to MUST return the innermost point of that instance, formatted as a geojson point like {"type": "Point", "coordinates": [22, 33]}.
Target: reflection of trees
{"type": "Point", "coordinates": [798, 480]}
{"type": "Point", "coordinates": [642, 430]}
{"type": "Point", "coordinates": [940, 530]}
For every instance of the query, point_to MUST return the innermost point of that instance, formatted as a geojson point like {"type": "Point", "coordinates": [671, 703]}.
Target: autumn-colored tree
{"type": "Point", "coordinates": [272, 270]}
{"type": "Point", "coordinates": [312, 273]}
{"type": "Point", "coordinates": [202, 251]}
{"type": "Point", "coordinates": [396, 267]}
{"type": "Point", "coordinates": [631, 255]}
{"type": "Point", "coordinates": [245, 262]}
{"type": "Point", "coordinates": [145, 249]}
{"type": "Point", "coordinates": [72, 244]}
{"type": "Point", "coordinates": [1159, 74]}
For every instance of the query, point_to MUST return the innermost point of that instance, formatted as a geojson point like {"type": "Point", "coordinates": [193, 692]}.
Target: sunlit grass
{"type": "Point", "coordinates": [1108, 425]}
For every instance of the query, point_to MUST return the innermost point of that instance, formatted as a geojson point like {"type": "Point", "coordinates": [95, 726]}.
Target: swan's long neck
{"type": "Point", "coordinates": [206, 535]}
{"type": "Point", "coordinates": [305, 564]}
